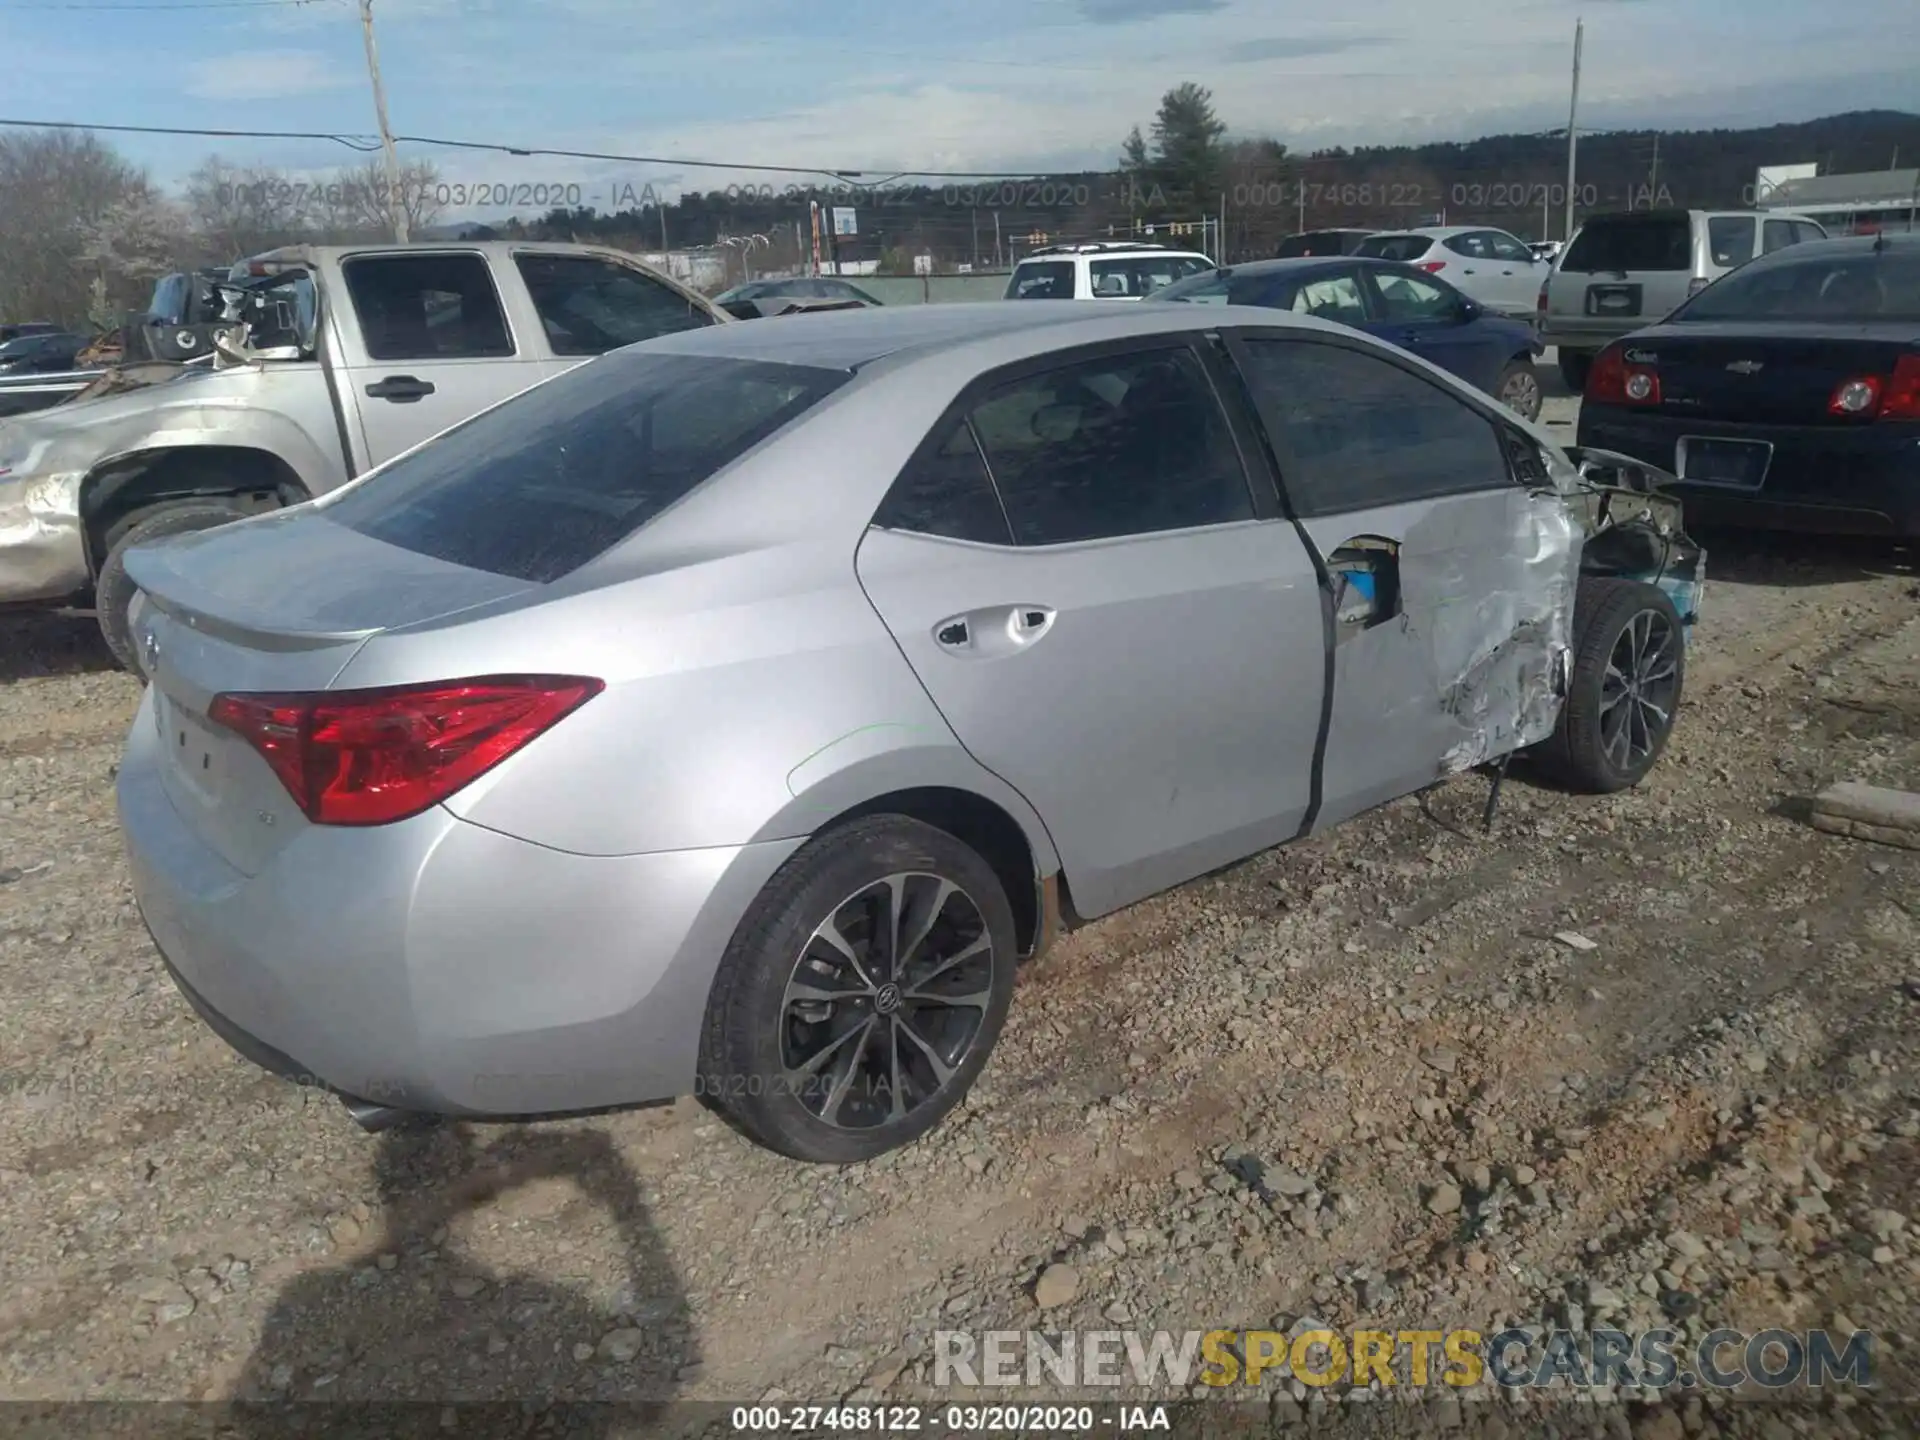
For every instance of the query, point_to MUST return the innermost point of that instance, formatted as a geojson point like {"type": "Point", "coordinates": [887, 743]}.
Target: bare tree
{"type": "Point", "coordinates": [59, 190]}
{"type": "Point", "coordinates": [242, 210]}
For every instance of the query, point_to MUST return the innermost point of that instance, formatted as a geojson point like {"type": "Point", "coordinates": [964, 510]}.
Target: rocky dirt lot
{"type": "Point", "coordinates": [1633, 1061]}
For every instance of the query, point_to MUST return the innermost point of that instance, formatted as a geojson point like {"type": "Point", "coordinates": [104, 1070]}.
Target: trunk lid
{"type": "Point", "coordinates": [1764, 372]}
{"type": "Point", "coordinates": [280, 603]}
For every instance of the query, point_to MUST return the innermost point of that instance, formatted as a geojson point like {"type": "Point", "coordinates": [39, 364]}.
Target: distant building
{"type": "Point", "coordinates": [1874, 200]}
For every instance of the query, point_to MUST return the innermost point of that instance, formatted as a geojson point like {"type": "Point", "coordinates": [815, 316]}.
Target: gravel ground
{"type": "Point", "coordinates": [1355, 1080]}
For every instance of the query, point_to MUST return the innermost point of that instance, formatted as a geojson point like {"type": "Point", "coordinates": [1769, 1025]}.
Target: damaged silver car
{"type": "Point", "coordinates": [733, 714]}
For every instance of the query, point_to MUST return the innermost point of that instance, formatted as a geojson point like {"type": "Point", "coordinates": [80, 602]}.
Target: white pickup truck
{"type": "Point", "coordinates": [340, 358]}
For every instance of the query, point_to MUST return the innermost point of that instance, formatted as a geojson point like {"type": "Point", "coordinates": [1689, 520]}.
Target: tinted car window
{"type": "Point", "coordinates": [1730, 239]}
{"type": "Point", "coordinates": [427, 307]}
{"type": "Point", "coordinates": [1143, 276]}
{"type": "Point", "coordinates": [1362, 432]}
{"type": "Point", "coordinates": [589, 306]}
{"type": "Point", "coordinates": [1777, 235]}
{"type": "Point", "coordinates": [1395, 247]}
{"type": "Point", "coordinates": [1859, 285]}
{"type": "Point", "coordinates": [1412, 297]}
{"type": "Point", "coordinates": [1631, 242]}
{"type": "Point", "coordinates": [537, 487]}
{"type": "Point", "coordinates": [1473, 246]}
{"type": "Point", "coordinates": [1805, 230]}
{"type": "Point", "coordinates": [947, 491]}
{"type": "Point", "coordinates": [1127, 445]}
{"type": "Point", "coordinates": [1046, 280]}
{"type": "Point", "coordinates": [1318, 242]}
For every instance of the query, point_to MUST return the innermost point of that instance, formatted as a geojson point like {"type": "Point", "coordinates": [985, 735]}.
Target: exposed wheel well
{"type": "Point", "coordinates": [980, 824]}
{"type": "Point", "coordinates": [135, 482]}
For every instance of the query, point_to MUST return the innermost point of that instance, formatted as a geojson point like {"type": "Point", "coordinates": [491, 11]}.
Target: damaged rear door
{"type": "Point", "coordinates": [1449, 583]}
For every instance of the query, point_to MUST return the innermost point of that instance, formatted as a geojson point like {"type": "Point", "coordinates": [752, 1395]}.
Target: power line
{"type": "Point", "coordinates": [852, 173]}
{"type": "Point", "coordinates": [158, 5]}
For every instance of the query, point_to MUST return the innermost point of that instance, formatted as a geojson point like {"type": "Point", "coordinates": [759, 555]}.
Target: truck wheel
{"type": "Point", "coordinates": [1574, 365]}
{"type": "Point", "coordinates": [113, 590]}
{"type": "Point", "coordinates": [1629, 667]}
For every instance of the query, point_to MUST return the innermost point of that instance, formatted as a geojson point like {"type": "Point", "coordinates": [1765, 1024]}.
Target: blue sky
{"type": "Point", "coordinates": [935, 84]}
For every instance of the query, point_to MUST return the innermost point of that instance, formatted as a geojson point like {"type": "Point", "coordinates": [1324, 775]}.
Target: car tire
{"type": "Point", "coordinates": [1628, 673]}
{"type": "Point", "coordinates": [113, 588]}
{"type": "Point", "coordinates": [813, 1078]}
{"type": "Point", "coordinates": [1518, 388]}
{"type": "Point", "coordinates": [1574, 365]}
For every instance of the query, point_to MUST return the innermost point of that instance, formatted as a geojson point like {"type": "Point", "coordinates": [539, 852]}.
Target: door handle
{"type": "Point", "coordinates": [954, 635]}
{"type": "Point", "coordinates": [400, 389]}
{"type": "Point", "coordinates": [993, 631]}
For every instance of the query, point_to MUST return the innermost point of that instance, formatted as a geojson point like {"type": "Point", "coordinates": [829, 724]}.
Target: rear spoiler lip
{"type": "Point", "coordinates": [275, 641]}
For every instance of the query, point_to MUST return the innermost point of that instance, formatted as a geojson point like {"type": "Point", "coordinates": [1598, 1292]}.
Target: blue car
{"type": "Point", "coordinates": [1401, 304]}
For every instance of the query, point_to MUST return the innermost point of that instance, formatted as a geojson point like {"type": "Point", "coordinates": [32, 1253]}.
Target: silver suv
{"type": "Point", "coordinates": [1631, 269]}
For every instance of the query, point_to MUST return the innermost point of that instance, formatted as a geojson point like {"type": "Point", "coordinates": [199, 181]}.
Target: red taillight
{"type": "Point", "coordinates": [1900, 400]}
{"type": "Point", "coordinates": [1880, 397]}
{"type": "Point", "coordinates": [1540, 305]}
{"type": "Point", "coordinates": [1612, 381]}
{"type": "Point", "coordinates": [1433, 267]}
{"type": "Point", "coordinates": [370, 757]}
{"type": "Point", "coordinates": [1856, 399]}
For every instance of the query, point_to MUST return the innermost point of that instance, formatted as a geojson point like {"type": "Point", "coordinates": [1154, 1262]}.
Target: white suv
{"type": "Point", "coordinates": [1106, 271]}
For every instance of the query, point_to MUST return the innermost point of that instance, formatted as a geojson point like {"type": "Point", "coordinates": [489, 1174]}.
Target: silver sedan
{"type": "Point", "coordinates": [734, 713]}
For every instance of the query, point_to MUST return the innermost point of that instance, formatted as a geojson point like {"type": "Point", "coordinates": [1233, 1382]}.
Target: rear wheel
{"type": "Point", "coordinates": [113, 590]}
{"type": "Point", "coordinates": [1629, 668]}
{"type": "Point", "coordinates": [1519, 389]}
{"type": "Point", "coordinates": [1574, 365]}
{"type": "Point", "coordinates": [862, 993]}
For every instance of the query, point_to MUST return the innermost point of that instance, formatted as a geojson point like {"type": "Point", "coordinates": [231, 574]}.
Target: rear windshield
{"type": "Point", "coordinates": [1859, 285]}
{"type": "Point", "coordinates": [537, 487]}
{"type": "Point", "coordinates": [1395, 247]}
{"type": "Point", "coordinates": [1632, 243]}
{"type": "Point", "coordinates": [1318, 242]}
{"type": "Point", "coordinates": [1041, 280]}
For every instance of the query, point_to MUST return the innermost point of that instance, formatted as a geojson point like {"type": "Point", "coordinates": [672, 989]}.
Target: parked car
{"type": "Point", "coordinates": [417, 338]}
{"type": "Point", "coordinates": [1398, 303]}
{"type": "Point", "coordinates": [51, 353]}
{"type": "Point", "coordinates": [27, 327]}
{"type": "Point", "coordinates": [1490, 265]}
{"type": "Point", "coordinates": [731, 714]}
{"type": "Point", "coordinates": [1320, 242]}
{"type": "Point", "coordinates": [1784, 396]}
{"type": "Point", "coordinates": [1104, 271]}
{"type": "Point", "coordinates": [757, 298]}
{"type": "Point", "coordinates": [1631, 268]}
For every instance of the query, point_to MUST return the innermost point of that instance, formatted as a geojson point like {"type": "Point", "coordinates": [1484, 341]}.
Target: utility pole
{"type": "Point", "coordinates": [1573, 116]}
{"type": "Point", "coordinates": [396, 204]}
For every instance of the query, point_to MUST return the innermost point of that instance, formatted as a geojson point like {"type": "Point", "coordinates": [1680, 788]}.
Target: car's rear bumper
{"type": "Point", "coordinates": [437, 966]}
{"type": "Point", "coordinates": [1827, 479]}
{"type": "Point", "coordinates": [1585, 336]}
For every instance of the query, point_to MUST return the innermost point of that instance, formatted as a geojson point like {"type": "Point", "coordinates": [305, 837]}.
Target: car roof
{"type": "Point", "coordinates": [1841, 245]}
{"type": "Point", "coordinates": [1289, 264]}
{"type": "Point", "coordinates": [850, 339]}
{"type": "Point", "coordinates": [1127, 252]}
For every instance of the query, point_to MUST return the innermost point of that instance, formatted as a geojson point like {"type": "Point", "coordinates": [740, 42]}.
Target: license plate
{"type": "Point", "coordinates": [1736, 464]}
{"type": "Point", "coordinates": [1613, 300]}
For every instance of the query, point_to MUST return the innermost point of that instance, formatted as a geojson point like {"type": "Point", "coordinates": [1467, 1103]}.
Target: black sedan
{"type": "Point", "coordinates": [1785, 396]}
{"type": "Point", "coordinates": [1400, 304]}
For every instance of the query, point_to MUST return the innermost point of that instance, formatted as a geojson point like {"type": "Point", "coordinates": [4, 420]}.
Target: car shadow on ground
{"type": "Point", "coordinates": [381, 1345]}
{"type": "Point", "coordinates": [35, 644]}
{"type": "Point", "coordinates": [1779, 558]}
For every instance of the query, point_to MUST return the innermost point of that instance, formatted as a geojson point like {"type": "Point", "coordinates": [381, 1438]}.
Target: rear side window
{"type": "Point", "coordinates": [1045, 280]}
{"type": "Point", "coordinates": [1777, 235]}
{"type": "Point", "coordinates": [1805, 230]}
{"type": "Point", "coordinates": [1730, 239]}
{"type": "Point", "coordinates": [1473, 246]}
{"type": "Point", "coordinates": [1632, 243]}
{"type": "Point", "coordinates": [1395, 247]}
{"type": "Point", "coordinates": [589, 306]}
{"type": "Point", "coordinates": [1333, 297]}
{"type": "Point", "coordinates": [553, 478]}
{"type": "Point", "coordinates": [1125, 445]}
{"type": "Point", "coordinates": [1143, 276]}
{"type": "Point", "coordinates": [1362, 432]}
{"type": "Point", "coordinates": [946, 491]}
{"type": "Point", "coordinates": [427, 307]}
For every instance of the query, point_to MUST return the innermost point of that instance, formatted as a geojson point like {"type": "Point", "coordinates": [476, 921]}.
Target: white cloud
{"type": "Point", "coordinates": [264, 75]}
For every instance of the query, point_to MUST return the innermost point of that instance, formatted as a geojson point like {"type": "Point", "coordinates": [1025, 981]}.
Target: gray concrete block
{"type": "Point", "coordinates": [1870, 805]}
